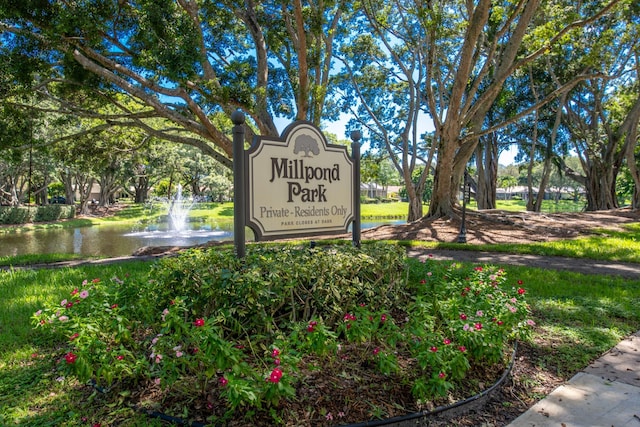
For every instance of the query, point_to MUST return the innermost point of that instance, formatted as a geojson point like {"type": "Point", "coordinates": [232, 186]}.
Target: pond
{"type": "Point", "coordinates": [119, 240]}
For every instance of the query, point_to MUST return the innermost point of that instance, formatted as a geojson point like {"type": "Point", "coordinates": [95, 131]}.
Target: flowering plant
{"type": "Point", "coordinates": [252, 334]}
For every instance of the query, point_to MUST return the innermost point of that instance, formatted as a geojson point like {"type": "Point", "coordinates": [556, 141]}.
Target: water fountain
{"type": "Point", "coordinates": [176, 229]}
{"type": "Point", "coordinates": [178, 211]}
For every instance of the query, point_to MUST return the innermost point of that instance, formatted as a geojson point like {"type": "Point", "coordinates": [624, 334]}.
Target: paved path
{"type": "Point", "coordinates": [580, 265]}
{"type": "Point", "coordinates": [606, 393]}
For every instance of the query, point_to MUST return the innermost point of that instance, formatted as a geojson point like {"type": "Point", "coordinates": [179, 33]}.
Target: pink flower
{"type": "Point", "coordinates": [63, 303]}
{"type": "Point", "coordinates": [329, 417]}
{"type": "Point", "coordinates": [63, 318]}
{"type": "Point", "coordinates": [276, 361]}
{"type": "Point", "coordinates": [429, 274]}
{"type": "Point", "coordinates": [70, 358]}
{"type": "Point", "coordinates": [198, 323]}
{"type": "Point", "coordinates": [479, 313]}
{"type": "Point", "coordinates": [179, 353]}
{"type": "Point", "coordinates": [465, 327]}
{"type": "Point", "coordinates": [376, 351]}
{"type": "Point", "coordinates": [84, 294]}
{"type": "Point", "coordinates": [531, 322]}
{"type": "Point", "coordinates": [158, 358]}
{"type": "Point", "coordinates": [275, 376]}
{"type": "Point", "coordinates": [223, 381]}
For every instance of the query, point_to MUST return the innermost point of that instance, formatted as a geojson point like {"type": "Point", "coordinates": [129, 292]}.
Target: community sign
{"type": "Point", "coordinates": [298, 185]}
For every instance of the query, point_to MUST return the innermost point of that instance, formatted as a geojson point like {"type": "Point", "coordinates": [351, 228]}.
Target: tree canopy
{"type": "Point", "coordinates": [473, 69]}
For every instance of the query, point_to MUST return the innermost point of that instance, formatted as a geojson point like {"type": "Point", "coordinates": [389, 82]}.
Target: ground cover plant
{"type": "Point", "coordinates": [289, 334]}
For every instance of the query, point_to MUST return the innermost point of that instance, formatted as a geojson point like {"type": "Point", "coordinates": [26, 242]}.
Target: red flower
{"type": "Point", "coordinates": [223, 381]}
{"type": "Point", "coordinates": [75, 291]}
{"type": "Point", "coordinates": [446, 341]}
{"type": "Point", "coordinates": [74, 336]}
{"type": "Point", "coordinates": [310, 328]}
{"type": "Point", "coordinates": [442, 375]}
{"type": "Point", "coordinates": [521, 291]}
{"type": "Point", "coordinates": [95, 281]}
{"type": "Point", "coordinates": [120, 357]}
{"type": "Point", "coordinates": [434, 349]}
{"type": "Point", "coordinates": [376, 351]}
{"type": "Point", "coordinates": [422, 282]}
{"type": "Point", "coordinates": [275, 352]}
{"type": "Point", "coordinates": [477, 268]}
{"type": "Point", "coordinates": [69, 304]}
{"type": "Point", "coordinates": [198, 323]}
{"type": "Point", "coordinates": [114, 306]}
{"type": "Point", "coordinates": [462, 348]}
{"type": "Point", "coordinates": [478, 326]}
{"type": "Point", "coordinates": [276, 361]}
{"type": "Point", "coordinates": [383, 318]}
{"type": "Point", "coordinates": [275, 376]}
{"type": "Point", "coordinates": [463, 316]}
{"type": "Point", "coordinates": [520, 282]}
{"type": "Point", "coordinates": [70, 358]}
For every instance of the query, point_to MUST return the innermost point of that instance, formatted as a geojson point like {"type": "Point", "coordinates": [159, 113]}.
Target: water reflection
{"type": "Point", "coordinates": [117, 240]}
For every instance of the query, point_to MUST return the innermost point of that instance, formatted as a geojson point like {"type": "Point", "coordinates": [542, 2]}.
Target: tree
{"type": "Point", "coordinates": [182, 60]}
{"type": "Point", "coordinates": [380, 86]}
{"type": "Point", "coordinates": [481, 56]}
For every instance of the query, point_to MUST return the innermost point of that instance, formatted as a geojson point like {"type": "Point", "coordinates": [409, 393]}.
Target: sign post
{"type": "Point", "coordinates": [355, 154]}
{"type": "Point", "coordinates": [239, 207]}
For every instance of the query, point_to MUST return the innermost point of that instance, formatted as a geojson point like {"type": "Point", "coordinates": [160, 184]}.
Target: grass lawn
{"type": "Point", "coordinates": [578, 318]}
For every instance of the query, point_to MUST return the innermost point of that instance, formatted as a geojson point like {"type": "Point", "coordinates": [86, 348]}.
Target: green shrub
{"type": "Point", "coordinates": [275, 284]}
{"type": "Point", "coordinates": [27, 214]}
{"type": "Point", "coordinates": [17, 215]}
{"type": "Point", "coordinates": [242, 333]}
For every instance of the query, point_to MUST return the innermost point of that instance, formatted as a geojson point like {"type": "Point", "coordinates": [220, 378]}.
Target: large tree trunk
{"type": "Point", "coordinates": [600, 183]}
{"type": "Point", "coordinates": [487, 165]}
{"type": "Point", "coordinates": [444, 196]}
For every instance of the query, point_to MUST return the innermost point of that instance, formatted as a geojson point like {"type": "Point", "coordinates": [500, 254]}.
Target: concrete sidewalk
{"type": "Point", "coordinates": [605, 394]}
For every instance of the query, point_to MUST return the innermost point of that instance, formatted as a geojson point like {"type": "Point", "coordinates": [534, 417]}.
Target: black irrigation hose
{"type": "Point", "coordinates": [441, 409]}
{"type": "Point", "coordinates": [371, 423]}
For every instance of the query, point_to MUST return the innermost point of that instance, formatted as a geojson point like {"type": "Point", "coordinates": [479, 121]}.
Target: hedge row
{"type": "Point", "coordinates": [24, 214]}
